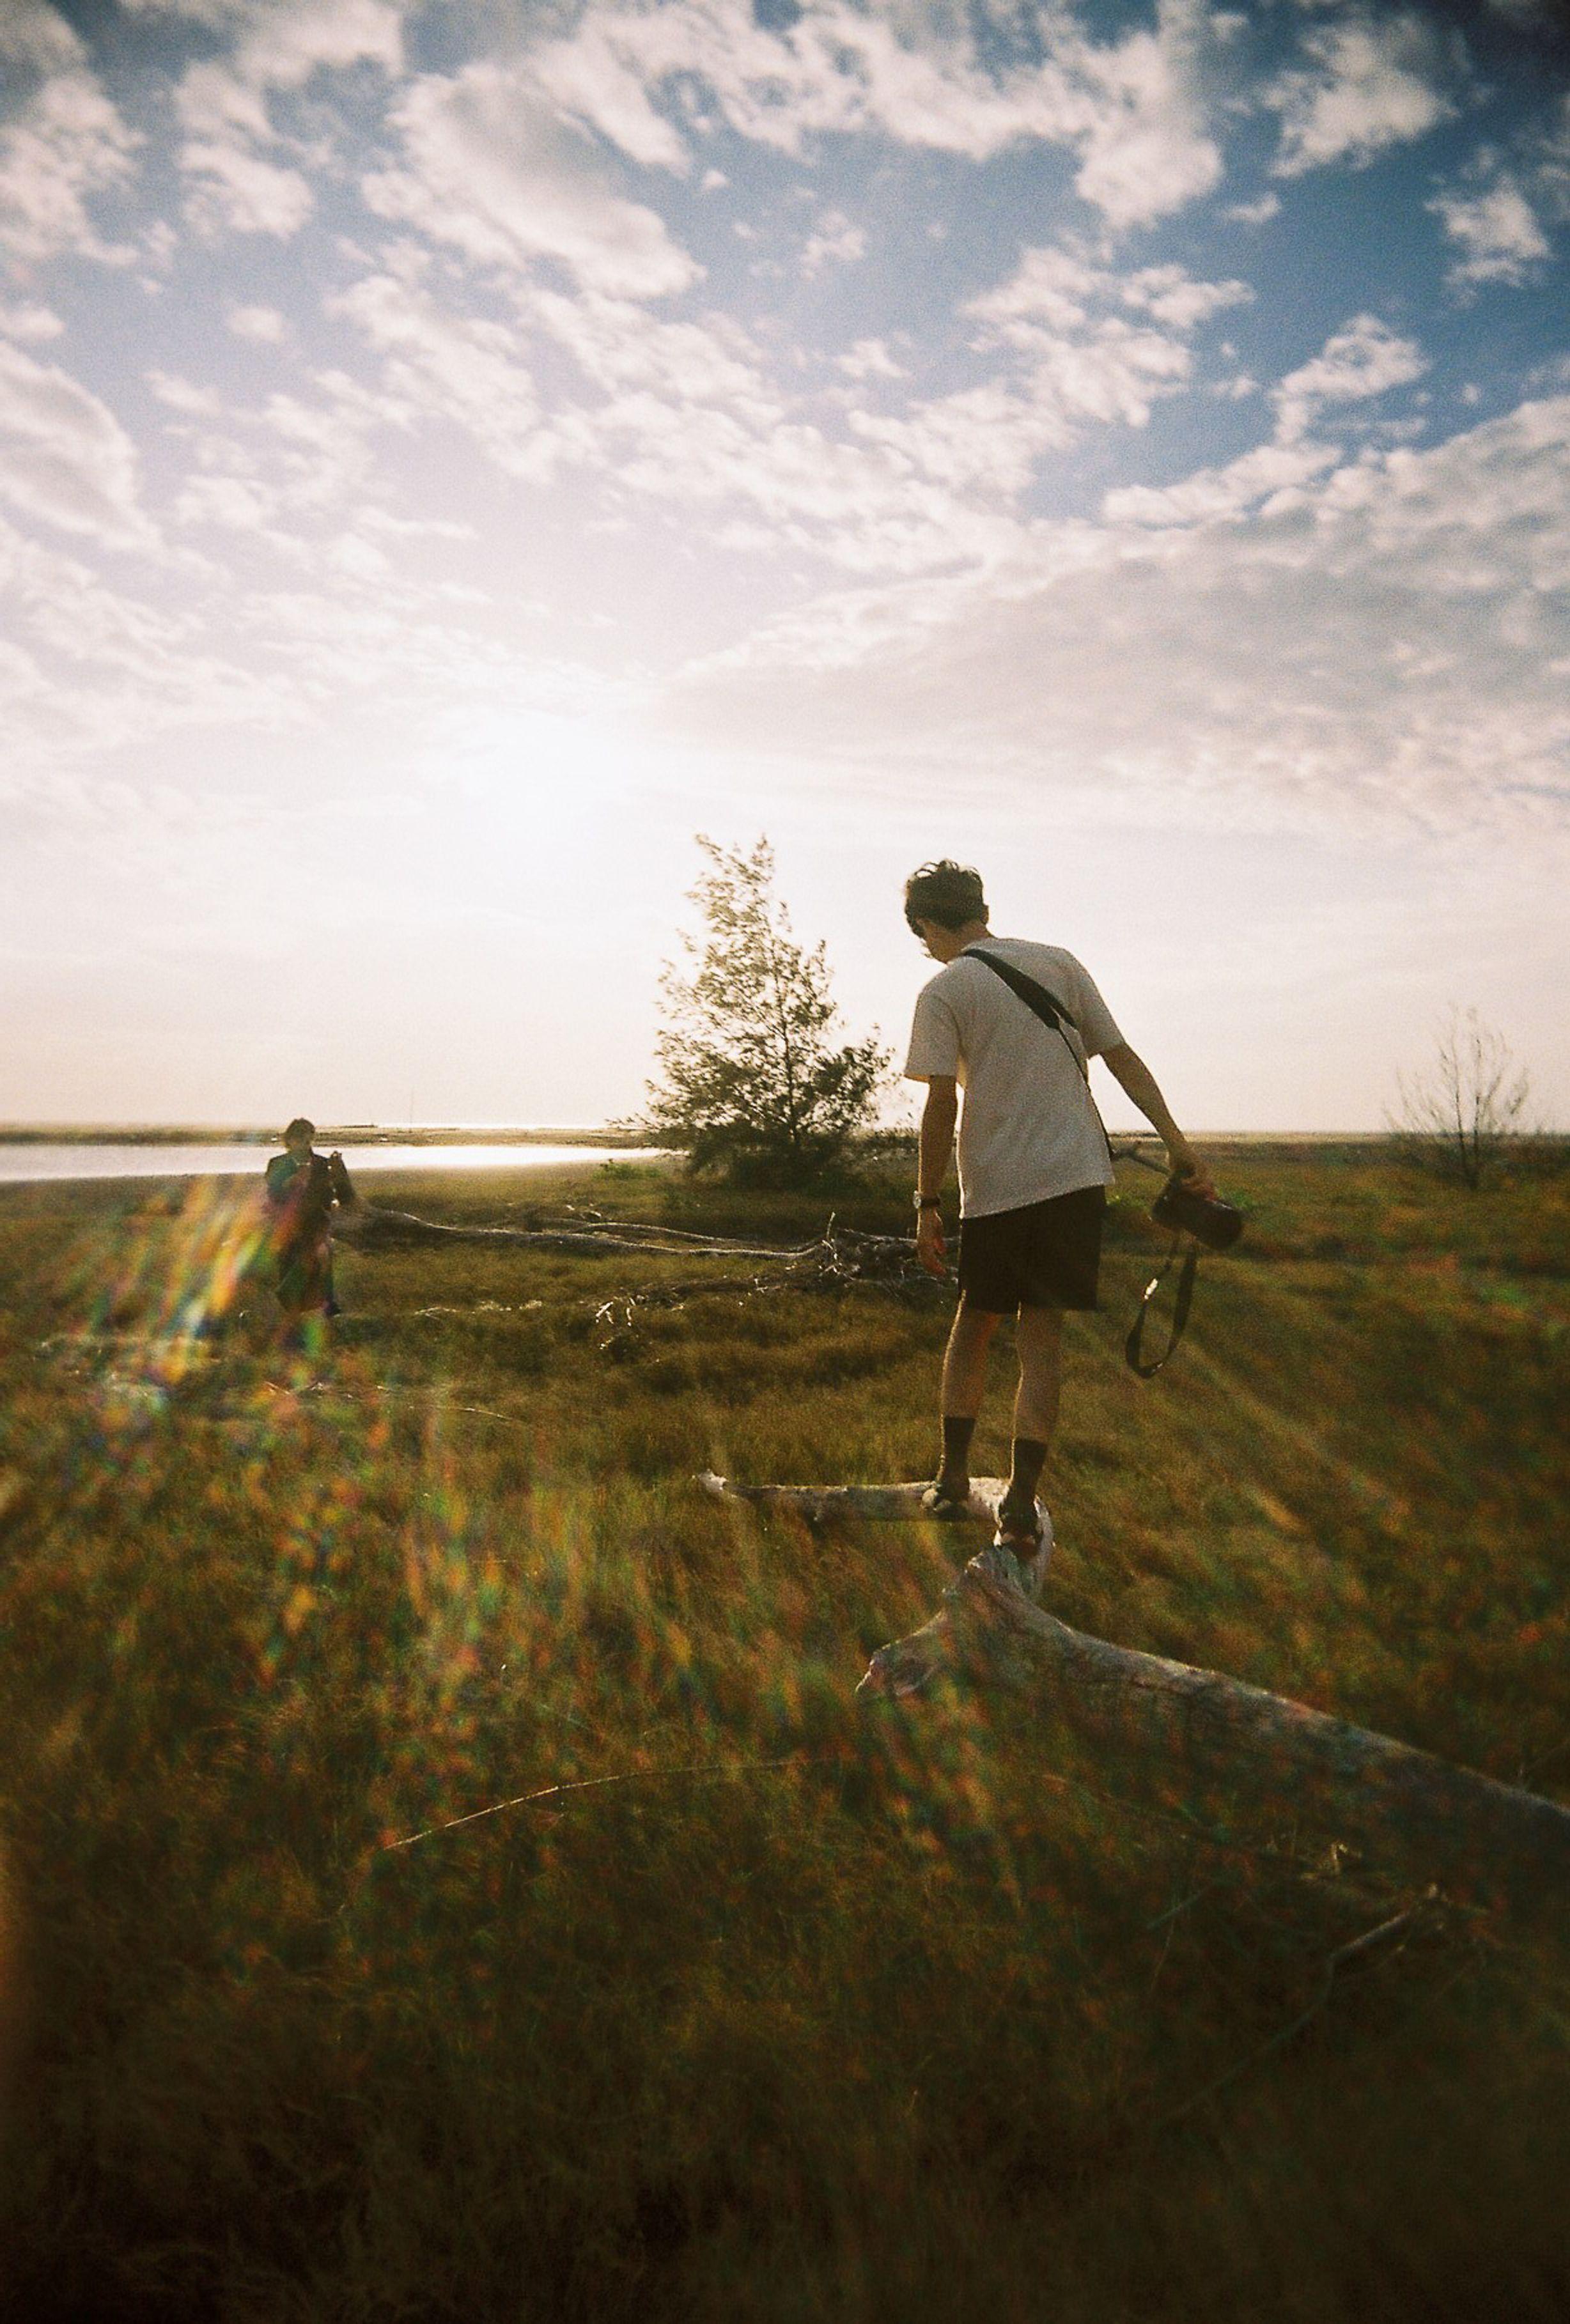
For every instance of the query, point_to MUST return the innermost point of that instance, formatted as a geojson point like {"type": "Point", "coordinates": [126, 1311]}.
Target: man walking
{"type": "Point", "coordinates": [1033, 1164]}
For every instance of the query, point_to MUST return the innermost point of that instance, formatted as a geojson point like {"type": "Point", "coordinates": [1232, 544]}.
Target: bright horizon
{"type": "Point", "coordinates": [452, 453]}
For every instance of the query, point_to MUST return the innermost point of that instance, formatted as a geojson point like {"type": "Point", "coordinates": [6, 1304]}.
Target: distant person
{"type": "Point", "coordinates": [1033, 1166]}
{"type": "Point", "coordinates": [303, 1189]}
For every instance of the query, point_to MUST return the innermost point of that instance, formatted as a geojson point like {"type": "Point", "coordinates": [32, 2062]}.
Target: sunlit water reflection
{"type": "Point", "coordinates": [26, 1163]}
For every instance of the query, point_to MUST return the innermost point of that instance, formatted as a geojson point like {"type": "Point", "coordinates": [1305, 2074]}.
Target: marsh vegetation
{"type": "Point", "coordinates": [751, 2004]}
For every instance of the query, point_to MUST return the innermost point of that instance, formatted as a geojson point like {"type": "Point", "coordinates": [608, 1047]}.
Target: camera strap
{"type": "Point", "coordinates": [1185, 1300]}
{"type": "Point", "coordinates": [1052, 1013]}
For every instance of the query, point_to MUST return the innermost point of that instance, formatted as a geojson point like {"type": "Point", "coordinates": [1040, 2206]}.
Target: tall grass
{"type": "Point", "coordinates": [759, 2007]}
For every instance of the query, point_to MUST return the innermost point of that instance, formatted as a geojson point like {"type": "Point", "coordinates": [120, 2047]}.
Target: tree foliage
{"type": "Point", "coordinates": [751, 1087]}
{"type": "Point", "coordinates": [1461, 1111]}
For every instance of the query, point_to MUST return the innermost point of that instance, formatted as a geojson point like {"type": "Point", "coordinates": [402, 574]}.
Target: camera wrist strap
{"type": "Point", "coordinates": [1185, 1300]}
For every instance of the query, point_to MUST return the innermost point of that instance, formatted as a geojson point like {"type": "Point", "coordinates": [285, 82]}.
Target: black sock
{"type": "Point", "coordinates": [957, 1437]}
{"type": "Point", "coordinates": [1025, 1475]}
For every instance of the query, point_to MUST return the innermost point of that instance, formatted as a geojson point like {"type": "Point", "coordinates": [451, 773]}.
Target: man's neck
{"type": "Point", "coordinates": [951, 942]}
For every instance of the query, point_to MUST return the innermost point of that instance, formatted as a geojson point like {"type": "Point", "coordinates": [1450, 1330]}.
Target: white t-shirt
{"type": "Point", "coordinates": [1027, 1128]}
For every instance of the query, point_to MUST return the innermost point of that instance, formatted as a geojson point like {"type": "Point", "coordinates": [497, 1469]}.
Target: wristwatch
{"type": "Point", "coordinates": [927, 1201]}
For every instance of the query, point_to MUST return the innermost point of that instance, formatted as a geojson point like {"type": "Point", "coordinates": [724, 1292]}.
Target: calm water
{"type": "Point", "coordinates": [21, 1164]}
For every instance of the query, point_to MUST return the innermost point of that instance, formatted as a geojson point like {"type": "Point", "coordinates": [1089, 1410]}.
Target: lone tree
{"type": "Point", "coordinates": [751, 1086]}
{"type": "Point", "coordinates": [1462, 1111]}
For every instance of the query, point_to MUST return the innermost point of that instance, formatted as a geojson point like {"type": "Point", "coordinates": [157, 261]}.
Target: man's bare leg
{"type": "Point", "coordinates": [1038, 1341]}
{"type": "Point", "coordinates": [965, 1376]}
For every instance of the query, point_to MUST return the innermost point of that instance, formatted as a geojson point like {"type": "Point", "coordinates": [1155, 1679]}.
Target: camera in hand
{"type": "Point", "coordinates": [1210, 1220]}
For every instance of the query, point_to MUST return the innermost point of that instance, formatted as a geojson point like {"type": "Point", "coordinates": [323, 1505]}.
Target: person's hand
{"type": "Point", "coordinates": [1196, 1179]}
{"type": "Point", "coordinates": [931, 1249]}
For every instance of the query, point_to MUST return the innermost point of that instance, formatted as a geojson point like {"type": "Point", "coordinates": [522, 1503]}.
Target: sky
{"type": "Point", "coordinates": [452, 453]}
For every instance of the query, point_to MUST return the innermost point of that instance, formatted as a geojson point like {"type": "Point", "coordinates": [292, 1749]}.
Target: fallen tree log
{"type": "Point", "coordinates": [1402, 1806]}
{"type": "Point", "coordinates": [1408, 1812]}
{"type": "Point", "coordinates": [821, 1504]}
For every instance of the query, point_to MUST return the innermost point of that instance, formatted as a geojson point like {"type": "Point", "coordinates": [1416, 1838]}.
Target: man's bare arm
{"type": "Point", "coordinates": [938, 1116]}
{"type": "Point", "coordinates": [1132, 1073]}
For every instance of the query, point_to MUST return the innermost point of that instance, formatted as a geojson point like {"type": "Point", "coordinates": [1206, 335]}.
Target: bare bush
{"type": "Point", "coordinates": [1463, 1111]}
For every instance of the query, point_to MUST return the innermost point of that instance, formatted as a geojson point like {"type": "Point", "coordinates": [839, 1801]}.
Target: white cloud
{"type": "Point", "coordinates": [1092, 347]}
{"type": "Point", "coordinates": [67, 459]}
{"type": "Point", "coordinates": [185, 395]}
{"type": "Point", "coordinates": [289, 41]}
{"type": "Point", "coordinates": [1260, 213]}
{"type": "Point", "coordinates": [587, 79]}
{"type": "Point", "coordinates": [236, 185]}
{"type": "Point", "coordinates": [111, 669]}
{"type": "Point", "coordinates": [231, 185]}
{"type": "Point", "coordinates": [1362, 361]}
{"type": "Point", "coordinates": [235, 504]}
{"type": "Point", "coordinates": [35, 38]}
{"type": "Point", "coordinates": [1055, 291]}
{"type": "Point", "coordinates": [869, 359]}
{"type": "Point", "coordinates": [1375, 81]}
{"type": "Point", "coordinates": [1145, 146]}
{"type": "Point", "coordinates": [1387, 642]}
{"type": "Point", "coordinates": [1258, 475]}
{"type": "Point", "coordinates": [460, 368]}
{"type": "Point", "coordinates": [685, 412]}
{"type": "Point", "coordinates": [833, 242]}
{"type": "Point", "coordinates": [321, 453]}
{"type": "Point", "coordinates": [1134, 110]}
{"type": "Point", "coordinates": [65, 144]}
{"type": "Point", "coordinates": [1172, 296]}
{"type": "Point", "coordinates": [493, 169]}
{"type": "Point", "coordinates": [1365, 358]}
{"type": "Point", "coordinates": [264, 325]}
{"type": "Point", "coordinates": [30, 322]}
{"type": "Point", "coordinates": [1498, 232]}
{"type": "Point", "coordinates": [1551, 160]}
{"type": "Point", "coordinates": [233, 190]}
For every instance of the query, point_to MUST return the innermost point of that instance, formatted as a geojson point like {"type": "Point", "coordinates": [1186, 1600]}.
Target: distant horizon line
{"type": "Point", "coordinates": [388, 1133]}
{"type": "Point", "coordinates": [219, 1133]}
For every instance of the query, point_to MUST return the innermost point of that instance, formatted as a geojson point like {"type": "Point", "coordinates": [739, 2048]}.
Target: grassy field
{"type": "Point", "coordinates": [791, 2011]}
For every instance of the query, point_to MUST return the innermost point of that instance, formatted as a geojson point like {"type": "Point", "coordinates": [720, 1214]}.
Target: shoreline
{"type": "Point", "coordinates": [347, 1134]}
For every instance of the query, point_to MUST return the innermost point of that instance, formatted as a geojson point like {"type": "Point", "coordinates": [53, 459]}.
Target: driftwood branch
{"type": "Point", "coordinates": [821, 1504]}
{"type": "Point", "coordinates": [839, 1256]}
{"type": "Point", "coordinates": [370, 1226]}
{"type": "Point", "coordinates": [1401, 1804]}
{"type": "Point", "coordinates": [1405, 1808]}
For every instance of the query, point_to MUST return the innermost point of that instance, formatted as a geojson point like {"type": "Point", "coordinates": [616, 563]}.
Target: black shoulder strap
{"type": "Point", "coordinates": [1036, 997]}
{"type": "Point", "coordinates": [1051, 1013]}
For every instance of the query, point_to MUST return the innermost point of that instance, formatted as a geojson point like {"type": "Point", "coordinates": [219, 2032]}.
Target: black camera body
{"type": "Point", "coordinates": [1205, 1217]}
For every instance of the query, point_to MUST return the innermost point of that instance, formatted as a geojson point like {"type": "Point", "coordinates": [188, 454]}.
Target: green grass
{"type": "Point", "coordinates": [794, 2012]}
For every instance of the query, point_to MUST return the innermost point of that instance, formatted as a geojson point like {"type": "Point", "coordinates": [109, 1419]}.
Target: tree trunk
{"type": "Point", "coordinates": [1412, 1813]}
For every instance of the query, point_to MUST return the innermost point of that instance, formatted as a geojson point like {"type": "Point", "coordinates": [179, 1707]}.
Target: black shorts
{"type": "Point", "coordinates": [1046, 1255]}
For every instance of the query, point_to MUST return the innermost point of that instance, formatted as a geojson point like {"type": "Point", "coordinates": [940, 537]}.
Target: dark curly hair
{"type": "Point", "coordinates": [947, 893]}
